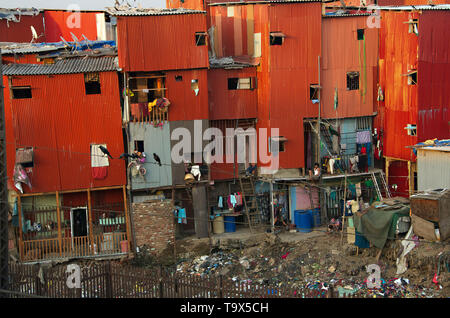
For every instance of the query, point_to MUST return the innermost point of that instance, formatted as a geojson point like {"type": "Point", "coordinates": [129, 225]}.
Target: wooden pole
{"type": "Point", "coordinates": [58, 217]}
{"type": "Point", "coordinates": [345, 204]}
{"type": "Point", "coordinates": [410, 187]}
{"type": "Point", "coordinates": [91, 230]}
{"type": "Point", "coordinates": [19, 206]}
{"type": "Point", "coordinates": [126, 217]}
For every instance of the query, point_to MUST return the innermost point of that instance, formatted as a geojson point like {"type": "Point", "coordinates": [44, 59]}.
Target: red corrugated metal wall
{"type": "Point", "coordinates": [343, 52]}
{"type": "Point", "coordinates": [398, 54]}
{"type": "Point", "coordinates": [168, 42]}
{"type": "Point", "coordinates": [295, 61]}
{"type": "Point", "coordinates": [433, 76]}
{"type": "Point", "coordinates": [21, 31]}
{"type": "Point", "coordinates": [61, 23]}
{"type": "Point", "coordinates": [61, 121]}
{"type": "Point", "coordinates": [186, 4]}
{"type": "Point", "coordinates": [185, 105]}
{"type": "Point", "coordinates": [231, 104]}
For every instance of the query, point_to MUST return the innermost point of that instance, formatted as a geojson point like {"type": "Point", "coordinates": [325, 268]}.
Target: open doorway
{"type": "Point", "coordinates": [79, 221]}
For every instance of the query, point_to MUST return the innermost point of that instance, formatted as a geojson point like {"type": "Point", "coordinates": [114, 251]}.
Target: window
{"type": "Point", "coordinates": [411, 130]}
{"type": "Point", "coordinates": [412, 78]}
{"type": "Point", "coordinates": [92, 83]}
{"type": "Point", "coordinates": [277, 141]}
{"type": "Point", "coordinates": [276, 38]}
{"type": "Point", "coordinates": [352, 81]}
{"type": "Point", "coordinates": [178, 78]}
{"type": "Point", "coordinates": [25, 156]}
{"type": "Point", "coordinates": [200, 38]}
{"type": "Point", "coordinates": [139, 145]}
{"type": "Point", "coordinates": [146, 87]}
{"type": "Point", "coordinates": [314, 92]}
{"type": "Point", "coordinates": [412, 26]}
{"type": "Point", "coordinates": [21, 92]}
{"type": "Point", "coordinates": [241, 83]}
{"type": "Point", "coordinates": [360, 34]}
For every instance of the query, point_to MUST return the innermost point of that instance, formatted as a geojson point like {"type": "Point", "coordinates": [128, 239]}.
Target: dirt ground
{"type": "Point", "coordinates": [318, 261]}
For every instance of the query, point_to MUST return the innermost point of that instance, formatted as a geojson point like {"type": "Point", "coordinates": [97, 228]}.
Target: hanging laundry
{"type": "Point", "coordinates": [331, 163]}
{"type": "Point", "coordinates": [99, 162]}
{"type": "Point", "coordinates": [220, 203]}
{"type": "Point", "coordinates": [358, 189]}
{"type": "Point", "coordinates": [363, 137]}
{"type": "Point", "coordinates": [380, 96]}
{"type": "Point", "coordinates": [20, 176]}
{"type": "Point", "coordinates": [182, 216]}
{"type": "Point", "coordinates": [151, 105]}
{"type": "Point", "coordinates": [233, 200]}
{"type": "Point", "coordinates": [195, 170]}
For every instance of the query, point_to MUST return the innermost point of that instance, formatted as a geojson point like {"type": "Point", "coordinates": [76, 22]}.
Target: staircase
{"type": "Point", "coordinates": [249, 200]}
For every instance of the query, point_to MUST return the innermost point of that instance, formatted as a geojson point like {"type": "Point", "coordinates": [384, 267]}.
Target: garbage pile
{"type": "Point", "coordinates": [309, 267]}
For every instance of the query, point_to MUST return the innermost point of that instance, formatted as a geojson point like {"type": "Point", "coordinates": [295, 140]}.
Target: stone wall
{"type": "Point", "coordinates": [153, 223]}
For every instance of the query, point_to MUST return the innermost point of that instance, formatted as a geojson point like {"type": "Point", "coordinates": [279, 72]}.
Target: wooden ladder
{"type": "Point", "coordinates": [249, 200]}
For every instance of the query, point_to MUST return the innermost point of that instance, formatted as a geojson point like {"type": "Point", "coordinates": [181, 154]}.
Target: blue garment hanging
{"type": "Point", "coordinates": [220, 204]}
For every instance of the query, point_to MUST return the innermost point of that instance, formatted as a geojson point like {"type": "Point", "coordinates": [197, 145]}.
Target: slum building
{"type": "Point", "coordinates": [414, 107]}
{"type": "Point", "coordinates": [165, 91]}
{"type": "Point", "coordinates": [18, 25]}
{"type": "Point", "coordinates": [68, 197]}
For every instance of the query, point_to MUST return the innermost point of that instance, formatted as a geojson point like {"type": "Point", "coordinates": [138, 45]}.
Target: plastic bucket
{"type": "Point", "coordinates": [230, 226]}
{"type": "Point", "coordinates": [303, 221]}
{"type": "Point", "coordinates": [218, 226]}
{"type": "Point", "coordinates": [316, 217]}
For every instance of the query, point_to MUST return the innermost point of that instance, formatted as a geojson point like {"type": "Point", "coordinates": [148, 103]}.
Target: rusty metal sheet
{"type": "Point", "coordinates": [342, 52]}
{"type": "Point", "coordinates": [165, 46]}
{"type": "Point", "coordinates": [62, 23]}
{"type": "Point", "coordinates": [61, 122]}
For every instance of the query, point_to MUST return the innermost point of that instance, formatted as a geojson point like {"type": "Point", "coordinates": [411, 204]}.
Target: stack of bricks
{"type": "Point", "coordinates": [153, 223]}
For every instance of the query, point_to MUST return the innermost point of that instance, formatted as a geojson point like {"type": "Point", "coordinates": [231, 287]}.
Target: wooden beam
{"type": "Point", "coordinates": [58, 217]}
{"type": "Point", "coordinates": [69, 191]}
{"type": "Point", "coordinates": [127, 217]}
{"type": "Point", "coordinates": [91, 230]}
{"type": "Point", "coordinates": [387, 170]}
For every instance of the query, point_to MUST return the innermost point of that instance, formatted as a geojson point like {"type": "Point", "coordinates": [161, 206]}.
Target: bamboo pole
{"type": "Point", "coordinates": [58, 217]}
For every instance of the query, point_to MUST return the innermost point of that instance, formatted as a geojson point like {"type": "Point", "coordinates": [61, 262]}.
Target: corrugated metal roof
{"type": "Point", "coordinates": [328, 15]}
{"type": "Point", "coordinates": [66, 66]}
{"type": "Point", "coordinates": [415, 8]}
{"type": "Point", "coordinates": [446, 148]}
{"type": "Point", "coordinates": [260, 2]}
{"type": "Point", "coordinates": [129, 11]}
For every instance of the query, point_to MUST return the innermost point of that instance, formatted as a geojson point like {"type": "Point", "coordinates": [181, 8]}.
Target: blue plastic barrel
{"type": "Point", "coordinates": [316, 217]}
{"type": "Point", "coordinates": [303, 221]}
{"type": "Point", "coordinates": [230, 225]}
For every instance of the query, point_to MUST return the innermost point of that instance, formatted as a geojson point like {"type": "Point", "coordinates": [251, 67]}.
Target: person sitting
{"type": "Point", "coordinates": [316, 174]}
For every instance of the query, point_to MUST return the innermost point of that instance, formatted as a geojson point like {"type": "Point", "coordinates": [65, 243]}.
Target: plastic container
{"type": "Point", "coordinates": [230, 225]}
{"type": "Point", "coordinates": [316, 217]}
{"type": "Point", "coordinates": [218, 225]}
{"type": "Point", "coordinates": [303, 221]}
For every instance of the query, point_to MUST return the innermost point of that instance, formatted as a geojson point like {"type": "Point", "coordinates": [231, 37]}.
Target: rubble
{"type": "Point", "coordinates": [317, 264]}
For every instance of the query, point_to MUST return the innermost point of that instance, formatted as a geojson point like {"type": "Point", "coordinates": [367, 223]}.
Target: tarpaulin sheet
{"type": "Point", "coordinates": [377, 225]}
